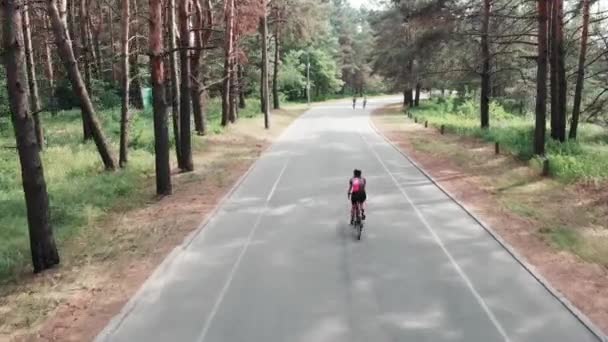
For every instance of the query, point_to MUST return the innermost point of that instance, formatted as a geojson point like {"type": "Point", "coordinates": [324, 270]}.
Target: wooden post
{"type": "Point", "coordinates": [442, 129]}
{"type": "Point", "coordinates": [426, 124]}
{"type": "Point", "coordinates": [497, 148]}
{"type": "Point", "coordinates": [415, 120]}
{"type": "Point", "coordinates": [545, 172]}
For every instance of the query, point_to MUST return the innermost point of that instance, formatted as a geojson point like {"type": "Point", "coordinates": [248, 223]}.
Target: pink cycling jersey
{"type": "Point", "coordinates": [357, 184]}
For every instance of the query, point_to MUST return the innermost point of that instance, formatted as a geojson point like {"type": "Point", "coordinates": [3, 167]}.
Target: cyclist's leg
{"type": "Point", "coordinates": [363, 210]}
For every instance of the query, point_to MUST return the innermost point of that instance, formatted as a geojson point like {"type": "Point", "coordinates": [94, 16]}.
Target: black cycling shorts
{"type": "Point", "coordinates": [358, 197]}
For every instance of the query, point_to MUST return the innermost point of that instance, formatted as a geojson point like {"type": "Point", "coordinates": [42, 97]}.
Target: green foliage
{"type": "Point", "coordinates": [324, 74]}
{"type": "Point", "coordinates": [79, 190]}
{"type": "Point", "coordinates": [103, 95]}
{"type": "Point", "coordinates": [585, 159]}
{"type": "Point", "coordinates": [292, 76]}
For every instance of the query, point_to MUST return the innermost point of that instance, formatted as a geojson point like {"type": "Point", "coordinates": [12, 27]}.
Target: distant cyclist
{"type": "Point", "coordinates": [354, 102]}
{"type": "Point", "coordinates": [357, 194]}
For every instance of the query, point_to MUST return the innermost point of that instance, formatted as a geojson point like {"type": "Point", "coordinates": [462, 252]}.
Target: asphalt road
{"type": "Point", "coordinates": [279, 261]}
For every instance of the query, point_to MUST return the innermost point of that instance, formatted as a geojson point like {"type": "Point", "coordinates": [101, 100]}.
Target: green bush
{"type": "Point", "coordinates": [103, 95]}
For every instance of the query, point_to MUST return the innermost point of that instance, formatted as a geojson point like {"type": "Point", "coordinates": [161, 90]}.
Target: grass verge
{"type": "Point", "coordinates": [584, 159]}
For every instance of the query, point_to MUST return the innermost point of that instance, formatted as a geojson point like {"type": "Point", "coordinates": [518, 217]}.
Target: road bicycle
{"type": "Point", "coordinates": [357, 221]}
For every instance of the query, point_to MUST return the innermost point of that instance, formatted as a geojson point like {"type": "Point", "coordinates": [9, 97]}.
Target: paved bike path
{"type": "Point", "coordinates": [279, 262]}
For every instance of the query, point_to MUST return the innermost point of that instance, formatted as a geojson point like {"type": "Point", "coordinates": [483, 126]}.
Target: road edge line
{"type": "Point", "coordinates": [592, 327]}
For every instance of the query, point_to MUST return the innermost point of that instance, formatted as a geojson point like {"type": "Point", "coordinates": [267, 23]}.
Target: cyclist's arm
{"type": "Point", "coordinates": [350, 187]}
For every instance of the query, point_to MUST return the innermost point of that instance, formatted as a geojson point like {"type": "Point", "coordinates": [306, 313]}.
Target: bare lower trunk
{"type": "Point", "coordinates": [541, 80]}
{"type": "Point", "coordinates": [234, 90]}
{"type": "Point", "coordinates": [64, 48]}
{"type": "Point", "coordinates": [112, 46]}
{"type": "Point", "coordinates": [85, 43]}
{"type": "Point", "coordinates": [185, 91]}
{"type": "Point", "coordinates": [229, 19]}
{"type": "Point", "coordinates": [174, 82]}
{"type": "Point", "coordinates": [486, 83]}
{"type": "Point", "coordinates": [124, 58]}
{"type": "Point", "coordinates": [228, 45]}
{"type": "Point", "coordinates": [50, 71]}
{"type": "Point", "coordinates": [195, 66]}
{"type": "Point", "coordinates": [71, 18]}
{"type": "Point", "coordinates": [135, 86]}
{"type": "Point", "coordinates": [580, 76]}
{"type": "Point", "coordinates": [161, 131]}
{"type": "Point", "coordinates": [31, 76]}
{"type": "Point", "coordinates": [84, 50]}
{"type": "Point", "coordinates": [277, 57]}
{"type": "Point", "coordinates": [417, 98]}
{"type": "Point", "coordinates": [265, 90]}
{"type": "Point", "coordinates": [558, 71]}
{"type": "Point", "coordinates": [42, 243]}
{"type": "Point", "coordinates": [95, 32]}
{"type": "Point", "coordinates": [241, 76]}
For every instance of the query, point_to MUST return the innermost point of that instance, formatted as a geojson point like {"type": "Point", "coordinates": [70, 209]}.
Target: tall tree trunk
{"type": "Point", "coordinates": [410, 97]}
{"type": "Point", "coordinates": [135, 87]}
{"type": "Point", "coordinates": [485, 73]}
{"type": "Point", "coordinates": [580, 76]}
{"type": "Point", "coordinates": [64, 48]}
{"type": "Point", "coordinates": [241, 76]}
{"type": "Point", "coordinates": [124, 58]}
{"type": "Point", "coordinates": [234, 84]}
{"type": "Point", "coordinates": [97, 44]}
{"type": "Point", "coordinates": [84, 50]}
{"type": "Point", "coordinates": [558, 77]}
{"type": "Point", "coordinates": [265, 90]}
{"type": "Point", "coordinates": [207, 24]}
{"type": "Point", "coordinates": [195, 70]}
{"type": "Point", "coordinates": [541, 80]}
{"type": "Point", "coordinates": [174, 83]}
{"type": "Point", "coordinates": [95, 32]}
{"type": "Point", "coordinates": [42, 243]}
{"type": "Point", "coordinates": [277, 59]}
{"type": "Point", "coordinates": [112, 45]}
{"type": "Point", "coordinates": [31, 76]}
{"type": "Point", "coordinates": [417, 98]}
{"type": "Point", "coordinates": [71, 18]}
{"type": "Point", "coordinates": [50, 71]}
{"type": "Point", "coordinates": [161, 131]}
{"type": "Point", "coordinates": [185, 82]}
{"type": "Point", "coordinates": [84, 42]}
{"type": "Point", "coordinates": [553, 66]}
{"type": "Point", "coordinates": [228, 38]}
{"type": "Point", "coordinates": [91, 46]}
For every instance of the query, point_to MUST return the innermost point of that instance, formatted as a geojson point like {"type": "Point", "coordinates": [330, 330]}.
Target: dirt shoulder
{"type": "Point", "coordinates": [106, 264]}
{"type": "Point", "coordinates": [559, 228]}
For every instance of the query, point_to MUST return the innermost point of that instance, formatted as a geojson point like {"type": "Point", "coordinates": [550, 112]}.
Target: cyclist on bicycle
{"type": "Point", "coordinates": [356, 193]}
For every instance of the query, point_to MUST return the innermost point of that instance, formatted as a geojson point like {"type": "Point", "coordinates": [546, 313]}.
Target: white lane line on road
{"type": "Point", "coordinates": [459, 270]}
{"type": "Point", "coordinates": [222, 294]}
